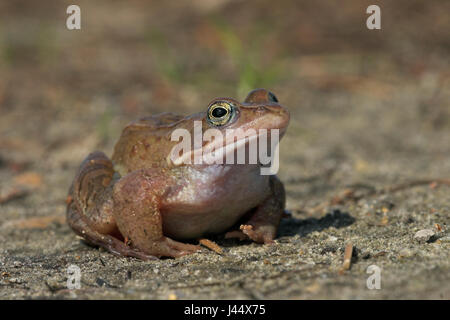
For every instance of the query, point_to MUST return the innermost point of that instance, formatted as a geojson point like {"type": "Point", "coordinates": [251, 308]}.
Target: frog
{"type": "Point", "coordinates": [145, 203]}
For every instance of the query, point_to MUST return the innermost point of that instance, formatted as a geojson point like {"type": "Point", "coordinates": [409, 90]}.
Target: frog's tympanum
{"type": "Point", "coordinates": [143, 202]}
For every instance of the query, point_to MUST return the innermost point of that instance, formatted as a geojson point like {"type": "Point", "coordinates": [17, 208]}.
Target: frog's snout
{"type": "Point", "coordinates": [279, 115]}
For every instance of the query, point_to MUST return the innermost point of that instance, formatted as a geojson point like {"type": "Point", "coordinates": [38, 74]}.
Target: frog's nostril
{"type": "Point", "coordinates": [272, 97]}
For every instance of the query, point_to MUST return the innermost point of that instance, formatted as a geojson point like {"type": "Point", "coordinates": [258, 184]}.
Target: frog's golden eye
{"type": "Point", "coordinates": [220, 113]}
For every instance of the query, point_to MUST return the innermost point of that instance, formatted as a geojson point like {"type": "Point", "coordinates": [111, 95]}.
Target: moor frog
{"type": "Point", "coordinates": [143, 203]}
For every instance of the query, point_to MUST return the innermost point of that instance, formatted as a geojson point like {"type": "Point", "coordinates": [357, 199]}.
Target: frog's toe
{"type": "Point", "coordinates": [175, 249]}
{"type": "Point", "coordinates": [259, 234]}
{"type": "Point", "coordinates": [121, 249]}
{"type": "Point", "coordinates": [140, 255]}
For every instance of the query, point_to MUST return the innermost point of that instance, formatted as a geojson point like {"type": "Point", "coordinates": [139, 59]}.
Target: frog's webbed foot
{"type": "Point", "coordinates": [164, 247]}
{"type": "Point", "coordinates": [118, 248]}
{"type": "Point", "coordinates": [171, 248]}
{"type": "Point", "coordinates": [263, 224]}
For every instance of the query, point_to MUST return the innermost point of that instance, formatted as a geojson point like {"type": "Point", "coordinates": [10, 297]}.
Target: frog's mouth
{"type": "Point", "coordinates": [242, 148]}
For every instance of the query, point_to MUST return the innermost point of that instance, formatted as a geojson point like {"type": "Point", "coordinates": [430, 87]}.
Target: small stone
{"type": "Point", "coordinates": [424, 235]}
{"type": "Point", "coordinates": [406, 253]}
{"type": "Point", "coordinates": [15, 280]}
{"type": "Point", "coordinates": [17, 264]}
{"type": "Point", "coordinates": [172, 296]}
{"type": "Point", "coordinates": [185, 272]}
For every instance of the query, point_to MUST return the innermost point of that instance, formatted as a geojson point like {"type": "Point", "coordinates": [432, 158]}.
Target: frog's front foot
{"type": "Point", "coordinates": [263, 223]}
{"type": "Point", "coordinates": [262, 234]}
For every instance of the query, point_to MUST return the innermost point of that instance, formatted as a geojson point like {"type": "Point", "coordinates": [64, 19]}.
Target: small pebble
{"type": "Point", "coordinates": [424, 235]}
{"type": "Point", "coordinates": [185, 272]}
{"type": "Point", "coordinates": [172, 296]}
{"type": "Point", "coordinates": [406, 253]}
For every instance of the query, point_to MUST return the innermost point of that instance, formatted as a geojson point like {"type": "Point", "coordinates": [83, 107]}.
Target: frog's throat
{"type": "Point", "coordinates": [216, 152]}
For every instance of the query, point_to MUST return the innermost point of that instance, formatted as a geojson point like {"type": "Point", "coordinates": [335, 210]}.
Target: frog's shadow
{"type": "Point", "coordinates": [302, 227]}
{"type": "Point", "coordinates": [293, 226]}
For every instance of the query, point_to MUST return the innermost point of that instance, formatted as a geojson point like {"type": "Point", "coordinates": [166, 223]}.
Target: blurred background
{"type": "Point", "coordinates": [367, 106]}
{"type": "Point", "coordinates": [377, 100]}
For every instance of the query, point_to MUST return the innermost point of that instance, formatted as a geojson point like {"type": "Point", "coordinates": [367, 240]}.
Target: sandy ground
{"type": "Point", "coordinates": [369, 111]}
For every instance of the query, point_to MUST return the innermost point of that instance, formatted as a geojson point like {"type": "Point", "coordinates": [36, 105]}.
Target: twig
{"type": "Point", "coordinates": [13, 194]}
{"type": "Point", "coordinates": [211, 245]}
{"type": "Point", "coordinates": [347, 258]}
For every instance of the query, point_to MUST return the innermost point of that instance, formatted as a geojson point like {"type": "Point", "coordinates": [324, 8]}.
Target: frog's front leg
{"type": "Point", "coordinates": [137, 203]}
{"type": "Point", "coordinates": [263, 224]}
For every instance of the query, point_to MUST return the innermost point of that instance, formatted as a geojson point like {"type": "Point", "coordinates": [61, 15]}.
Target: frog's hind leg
{"type": "Point", "coordinates": [90, 207]}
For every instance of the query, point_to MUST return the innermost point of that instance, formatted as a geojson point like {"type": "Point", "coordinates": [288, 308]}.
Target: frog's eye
{"type": "Point", "coordinates": [220, 113]}
{"type": "Point", "coordinates": [272, 97]}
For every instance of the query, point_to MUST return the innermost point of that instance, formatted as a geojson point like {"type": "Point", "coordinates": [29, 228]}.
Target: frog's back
{"type": "Point", "coordinates": [145, 142]}
{"type": "Point", "coordinates": [158, 121]}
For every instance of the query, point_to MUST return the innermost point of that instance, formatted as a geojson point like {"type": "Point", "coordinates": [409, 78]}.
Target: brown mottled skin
{"type": "Point", "coordinates": [140, 201]}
